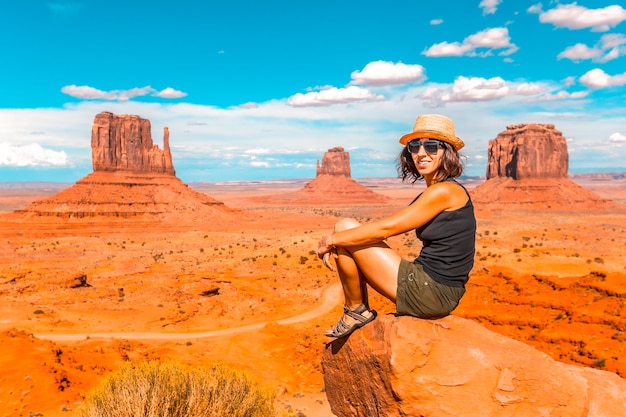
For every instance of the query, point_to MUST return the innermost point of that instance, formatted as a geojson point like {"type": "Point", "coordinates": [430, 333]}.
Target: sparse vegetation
{"type": "Point", "coordinates": [170, 389]}
{"type": "Point", "coordinates": [599, 363]}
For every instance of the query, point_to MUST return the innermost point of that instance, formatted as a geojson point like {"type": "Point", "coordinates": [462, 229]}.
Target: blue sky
{"type": "Point", "coordinates": [260, 90]}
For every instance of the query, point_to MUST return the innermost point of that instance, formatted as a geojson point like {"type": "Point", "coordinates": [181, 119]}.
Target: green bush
{"type": "Point", "coordinates": [170, 389]}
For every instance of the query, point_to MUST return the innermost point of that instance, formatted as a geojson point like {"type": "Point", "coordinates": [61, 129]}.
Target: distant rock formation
{"type": "Point", "coordinates": [527, 166]}
{"type": "Point", "coordinates": [404, 366]}
{"type": "Point", "coordinates": [530, 150]}
{"type": "Point", "coordinates": [334, 162]}
{"type": "Point", "coordinates": [124, 143]}
{"type": "Point", "coordinates": [132, 178]}
{"type": "Point", "coordinates": [332, 185]}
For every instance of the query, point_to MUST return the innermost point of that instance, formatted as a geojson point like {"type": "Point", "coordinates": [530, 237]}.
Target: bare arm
{"type": "Point", "coordinates": [434, 200]}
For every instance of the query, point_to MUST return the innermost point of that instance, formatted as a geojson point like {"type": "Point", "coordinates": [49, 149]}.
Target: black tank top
{"type": "Point", "coordinates": [449, 244]}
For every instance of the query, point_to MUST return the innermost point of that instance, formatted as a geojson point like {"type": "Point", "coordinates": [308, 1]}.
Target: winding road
{"type": "Point", "coordinates": [331, 296]}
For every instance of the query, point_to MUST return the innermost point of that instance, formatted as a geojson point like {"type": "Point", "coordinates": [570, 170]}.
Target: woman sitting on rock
{"type": "Point", "coordinates": [442, 216]}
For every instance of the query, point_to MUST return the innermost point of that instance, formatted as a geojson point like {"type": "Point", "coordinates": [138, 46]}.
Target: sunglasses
{"type": "Point", "coordinates": [431, 146]}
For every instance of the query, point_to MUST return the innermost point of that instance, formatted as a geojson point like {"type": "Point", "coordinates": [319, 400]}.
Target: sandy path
{"type": "Point", "coordinates": [330, 298]}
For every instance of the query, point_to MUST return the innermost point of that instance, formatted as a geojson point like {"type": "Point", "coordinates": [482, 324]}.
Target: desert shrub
{"type": "Point", "coordinates": [170, 389]}
{"type": "Point", "coordinates": [599, 363]}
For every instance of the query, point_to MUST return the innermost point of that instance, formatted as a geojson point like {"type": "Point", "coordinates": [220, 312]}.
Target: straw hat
{"type": "Point", "coordinates": [433, 126]}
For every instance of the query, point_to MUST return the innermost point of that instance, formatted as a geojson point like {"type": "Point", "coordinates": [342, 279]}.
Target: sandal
{"type": "Point", "coordinates": [341, 329]}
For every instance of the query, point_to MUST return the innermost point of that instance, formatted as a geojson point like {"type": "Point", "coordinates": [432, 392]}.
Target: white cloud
{"type": "Point", "coordinates": [379, 73]}
{"type": "Point", "coordinates": [474, 89]}
{"type": "Point", "coordinates": [569, 81]}
{"type": "Point", "coordinates": [561, 95]}
{"type": "Point", "coordinates": [259, 164]}
{"type": "Point", "coordinates": [332, 96]}
{"type": "Point", "coordinates": [489, 6]}
{"type": "Point", "coordinates": [611, 46]}
{"type": "Point", "coordinates": [596, 79]}
{"type": "Point", "coordinates": [489, 39]}
{"type": "Point", "coordinates": [579, 52]}
{"type": "Point", "coordinates": [125, 95]}
{"type": "Point", "coordinates": [527, 89]}
{"type": "Point", "coordinates": [612, 40]}
{"type": "Point", "coordinates": [617, 137]}
{"type": "Point", "coordinates": [30, 155]}
{"type": "Point", "coordinates": [447, 49]}
{"type": "Point", "coordinates": [573, 16]}
{"type": "Point", "coordinates": [436, 22]}
{"type": "Point", "coordinates": [170, 93]}
{"type": "Point", "coordinates": [212, 143]}
{"type": "Point", "coordinates": [86, 92]}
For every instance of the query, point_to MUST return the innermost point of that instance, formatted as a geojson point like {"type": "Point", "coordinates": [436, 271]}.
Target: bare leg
{"type": "Point", "coordinates": [375, 265]}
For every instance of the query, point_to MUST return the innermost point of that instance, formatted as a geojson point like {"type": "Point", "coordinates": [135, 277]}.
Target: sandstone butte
{"type": "Point", "coordinates": [89, 280]}
{"type": "Point", "coordinates": [332, 184]}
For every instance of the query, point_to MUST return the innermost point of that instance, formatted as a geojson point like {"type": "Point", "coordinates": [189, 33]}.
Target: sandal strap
{"type": "Point", "coordinates": [340, 327]}
{"type": "Point", "coordinates": [357, 313]}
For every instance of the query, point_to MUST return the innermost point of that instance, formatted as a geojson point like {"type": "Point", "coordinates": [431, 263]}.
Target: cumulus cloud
{"type": "Point", "coordinates": [596, 79]}
{"type": "Point", "coordinates": [169, 92]}
{"type": "Point", "coordinates": [474, 89]}
{"type": "Point", "coordinates": [485, 41]}
{"type": "Point", "coordinates": [573, 16]}
{"type": "Point", "coordinates": [436, 22]}
{"type": "Point", "coordinates": [617, 137]}
{"type": "Point", "coordinates": [561, 95]}
{"type": "Point", "coordinates": [86, 92]}
{"type": "Point", "coordinates": [30, 155]}
{"type": "Point", "coordinates": [332, 96]}
{"type": "Point", "coordinates": [489, 6]}
{"type": "Point", "coordinates": [381, 73]}
{"type": "Point", "coordinates": [611, 46]}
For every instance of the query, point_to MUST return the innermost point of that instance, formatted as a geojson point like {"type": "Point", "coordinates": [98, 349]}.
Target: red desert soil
{"type": "Point", "coordinates": [553, 279]}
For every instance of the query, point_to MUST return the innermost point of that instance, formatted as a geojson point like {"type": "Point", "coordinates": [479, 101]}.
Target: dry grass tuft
{"type": "Point", "coordinates": [171, 389]}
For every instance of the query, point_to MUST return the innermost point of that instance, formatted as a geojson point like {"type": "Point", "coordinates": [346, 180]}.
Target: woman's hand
{"type": "Point", "coordinates": [325, 249]}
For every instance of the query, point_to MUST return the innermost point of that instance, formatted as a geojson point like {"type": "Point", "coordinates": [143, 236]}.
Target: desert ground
{"type": "Point", "coordinates": [81, 297]}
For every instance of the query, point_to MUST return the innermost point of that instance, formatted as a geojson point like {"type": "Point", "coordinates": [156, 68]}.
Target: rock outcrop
{"type": "Point", "coordinates": [131, 178]}
{"type": "Point", "coordinates": [332, 185]}
{"type": "Point", "coordinates": [403, 366]}
{"type": "Point", "coordinates": [334, 162]}
{"type": "Point", "coordinates": [530, 150]}
{"type": "Point", "coordinates": [527, 167]}
{"type": "Point", "coordinates": [124, 143]}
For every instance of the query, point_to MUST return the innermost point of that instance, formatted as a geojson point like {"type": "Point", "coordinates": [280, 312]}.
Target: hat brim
{"type": "Point", "coordinates": [427, 134]}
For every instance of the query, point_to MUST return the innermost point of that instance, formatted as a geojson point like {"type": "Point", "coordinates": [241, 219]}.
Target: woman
{"type": "Point", "coordinates": [432, 285]}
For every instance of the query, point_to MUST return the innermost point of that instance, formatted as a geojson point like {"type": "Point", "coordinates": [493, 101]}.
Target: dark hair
{"type": "Point", "coordinates": [451, 165]}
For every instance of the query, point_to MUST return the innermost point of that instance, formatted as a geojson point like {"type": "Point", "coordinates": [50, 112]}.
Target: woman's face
{"type": "Point", "coordinates": [427, 155]}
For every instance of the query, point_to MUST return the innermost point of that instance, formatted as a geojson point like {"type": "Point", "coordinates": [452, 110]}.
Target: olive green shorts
{"type": "Point", "coordinates": [421, 296]}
